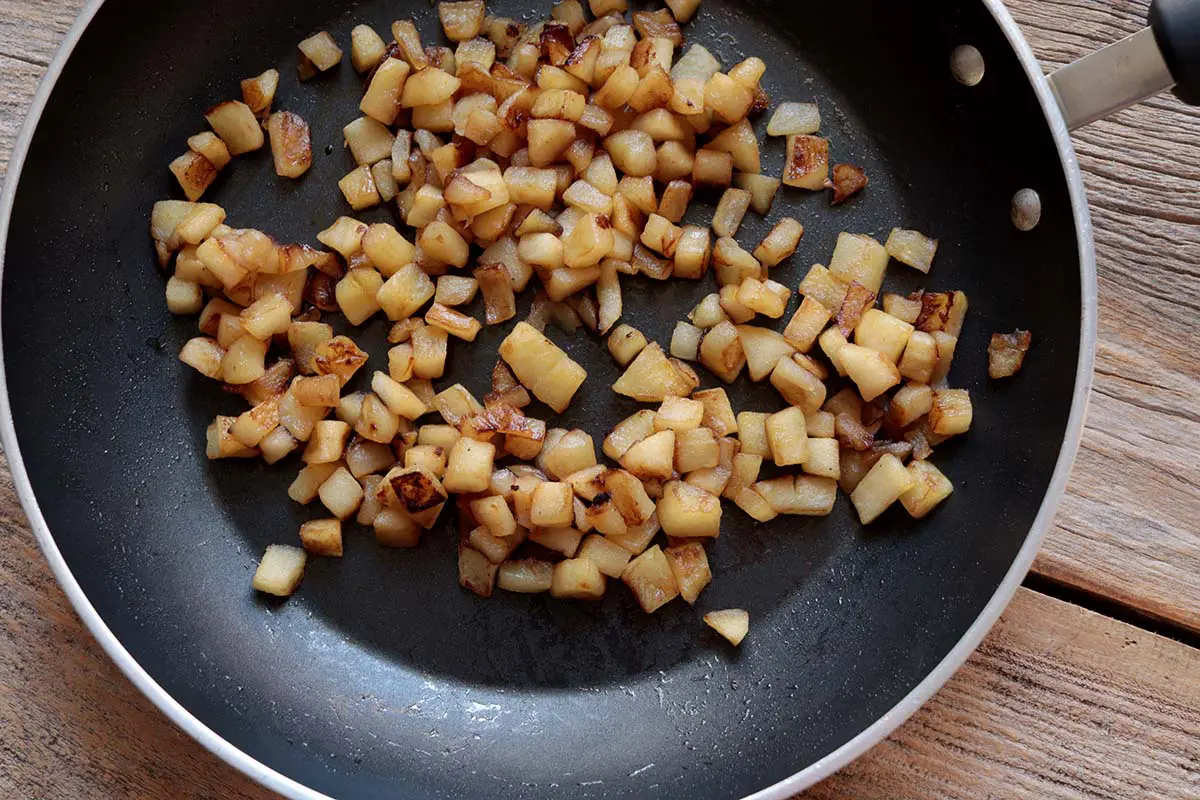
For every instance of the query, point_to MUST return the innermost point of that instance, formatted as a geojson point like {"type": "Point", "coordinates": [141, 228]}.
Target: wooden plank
{"type": "Point", "coordinates": [1127, 529]}
{"type": "Point", "coordinates": [30, 30]}
{"type": "Point", "coordinates": [18, 81]}
{"type": "Point", "coordinates": [1059, 702]}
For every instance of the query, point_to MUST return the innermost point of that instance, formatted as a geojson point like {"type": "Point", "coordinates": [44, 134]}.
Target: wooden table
{"type": "Point", "coordinates": [1074, 694]}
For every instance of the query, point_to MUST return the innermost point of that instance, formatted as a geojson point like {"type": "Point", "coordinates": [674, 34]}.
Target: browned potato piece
{"type": "Point", "coordinates": [951, 412]}
{"type": "Point", "coordinates": [237, 126]}
{"type": "Point", "coordinates": [322, 537]}
{"type": "Point", "coordinates": [652, 377]}
{"type": "Point", "coordinates": [321, 51]}
{"type": "Point", "coordinates": [461, 20]}
{"type": "Point", "coordinates": [930, 487]}
{"type": "Point", "coordinates": [280, 570]}
{"type": "Point", "coordinates": [1006, 353]}
{"type": "Point", "coordinates": [731, 623]}
{"type": "Point", "coordinates": [688, 511]}
{"type": "Point", "coordinates": [887, 481]}
{"type": "Point", "coordinates": [807, 162]}
{"type": "Point", "coordinates": [291, 144]}
{"type": "Point", "coordinates": [651, 579]}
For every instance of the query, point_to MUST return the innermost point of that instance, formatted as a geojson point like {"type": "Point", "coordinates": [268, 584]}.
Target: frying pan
{"type": "Point", "coordinates": [382, 677]}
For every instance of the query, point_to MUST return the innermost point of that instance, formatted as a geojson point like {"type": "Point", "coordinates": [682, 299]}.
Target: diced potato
{"type": "Point", "coordinates": [461, 20]}
{"type": "Point", "coordinates": [823, 459]}
{"type": "Point", "coordinates": [731, 623]}
{"type": "Point", "coordinates": [712, 168]}
{"type": "Point", "coordinates": [327, 442]}
{"type": "Point", "coordinates": [652, 457]}
{"type": "Point", "coordinates": [382, 101]}
{"type": "Point", "coordinates": [807, 162]}
{"type": "Point", "coordinates": [542, 367]}
{"type": "Point", "coordinates": [881, 487]}
{"type": "Point", "coordinates": [696, 449]}
{"type": "Point", "coordinates": [883, 333]}
{"type": "Point", "coordinates": [338, 356]}
{"type": "Point", "coordinates": [652, 377]}
{"type": "Point", "coordinates": [1006, 353]}
{"type": "Point", "coordinates": [768, 297]}
{"type": "Point", "coordinates": [280, 570]}
{"type": "Point", "coordinates": [394, 528]}
{"type": "Point", "coordinates": [752, 431]}
{"type": "Point", "coordinates": [728, 100]}
{"type": "Point", "coordinates": [718, 413]}
{"type": "Point", "coordinates": [651, 579]}
{"type": "Point", "coordinates": [780, 243]}
{"type": "Point", "coordinates": [946, 345]}
{"type": "Point", "coordinates": [951, 413]}
{"type": "Point", "coordinates": [495, 548]}
{"type": "Point", "coordinates": [469, 467]}
{"type": "Point", "coordinates": [629, 432]}
{"type": "Point", "coordinates": [930, 488]}
{"type": "Point", "coordinates": [526, 576]}
{"type": "Point", "coordinates": [688, 511]}
{"type": "Point", "coordinates": [429, 457]}
{"type": "Point", "coordinates": [722, 353]}
{"type": "Point", "coordinates": [321, 51]}
{"type": "Point", "coordinates": [322, 537]}
{"type": "Point", "coordinates": [632, 152]}
{"type": "Point", "coordinates": [730, 210]}
{"type": "Point", "coordinates": [577, 579]}
{"type": "Point", "coordinates": [476, 572]}
{"type": "Point", "coordinates": [794, 118]}
{"type": "Point", "coordinates": [912, 248]}
{"type": "Point", "coordinates": [610, 558]}
{"type": "Point", "coordinates": [920, 357]}
{"type": "Point", "coordinates": [366, 48]}
{"type": "Point", "coordinates": [259, 92]}
{"type": "Point", "coordinates": [405, 292]}
{"type": "Point", "coordinates": [237, 126]}
{"type": "Point", "coordinates": [762, 189]}
{"type": "Point", "coordinates": [908, 405]}
{"type": "Point", "coordinates": [787, 437]}
{"type": "Point", "coordinates": [552, 505]}
{"type": "Point", "coordinates": [820, 424]}
{"type": "Point", "coordinates": [859, 258]}
{"type": "Point", "coordinates": [341, 493]}
{"type": "Point", "coordinates": [871, 371]}
{"type": "Point", "coordinates": [574, 451]}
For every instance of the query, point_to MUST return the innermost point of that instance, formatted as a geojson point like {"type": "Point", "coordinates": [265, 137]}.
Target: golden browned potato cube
{"type": "Point", "coordinates": [629, 432]}
{"type": "Point", "coordinates": [259, 92]}
{"type": "Point", "coordinates": [291, 144]}
{"type": "Point", "coordinates": [652, 457]}
{"type": "Point", "coordinates": [203, 355]}
{"type": "Point", "coordinates": [638, 537]}
{"type": "Point", "coordinates": [237, 126]}
{"type": "Point", "coordinates": [322, 537]}
{"type": "Point", "coordinates": [688, 511]}
{"type": "Point", "coordinates": [787, 437]}
{"type": "Point", "coordinates": [951, 412]}
{"type": "Point", "coordinates": [461, 20]}
{"type": "Point", "coordinates": [908, 405]}
{"type": "Point", "coordinates": [405, 292]}
{"type": "Point", "coordinates": [495, 515]}
{"type": "Point", "coordinates": [731, 623]}
{"type": "Point", "coordinates": [728, 100]}
{"type": "Point", "coordinates": [366, 48]}
{"type": "Point", "coordinates": [194, 172]}
{"type": "Point", "coordinates": [1006, 353]}
{"type": "Point", "coordinates": [780, 243]}
{"type": "Point", "coordinates": [859, 258]}
{"type": "Point", "coordinates": [807, 164]}
{"type": "Point", "coordinates": [221, 443]}
{"type": "Point", "coordinates": [624, 344]}
{"type": "Point", "coordinates": [577, 579]}
{"type": "Point", "coordinates": [369, 140]}
{"type": "Point", "coordinates": [651, 579]}
{"type": "Point", "coordinates": [920, 357]}
{"type": "Point", "coordinates": [652, 377]}
{"type": "Point", "coordinates": [541, 366]}
{"type": "Point", "coordinates": [752, 432]}
{"type": "Point", "coordinates": [768, 297]}
{"type": "Point", "coordinates": [743, 472]}
{"type": "Point", "coordinates": [526, 576]}
{"type": "Point", "coordinates": [394, 528]}
{"type": "Point", "coordinates": [280, 570]}
{"type": "Point", "coordinates": [308, 482]}
{"type": "Point", "coordinates": [689, 565]}
{"type": "Point", "coordinates": [733, 264]}
{"type": "Point", "coordinates": [881, 487]}
{"type": "Point", "coordinates": [573, 452]}
{"type": "Point", "coordinates": [930, 487]}
{"type": "Point", "coordinates": [871, 371]}
{"type": "Point", "coordinates": [722, 353]}
{"type": "Point", "coordinates": [679, 414]}
{"type": "Point", "coordinates": [912, 248]}
{"type": "Point", "coordinates": [629, 496]}
{"type": "Point", "coordinates": [946, 345]}
{"type": "Point", "coordinates": [763, 348]}
{"type": "Point", "coordinates": [806, 324]}
{"type": "Point", "coordinates": [358, 187]}
{"type": "Point", "coordinates": [552, 505]}
{"type": "Point", "coordinates": [244, 361]}
{"type": "Point", "coordinates": [604, 516]}
{"type": "Point", "coordinates": [381, 102]}
{"type": "Point", "coordinates": [429, 457]}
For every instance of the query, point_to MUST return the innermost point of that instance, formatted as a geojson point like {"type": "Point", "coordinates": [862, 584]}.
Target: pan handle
{"type": "Point", "coordinates": [1153, 60]}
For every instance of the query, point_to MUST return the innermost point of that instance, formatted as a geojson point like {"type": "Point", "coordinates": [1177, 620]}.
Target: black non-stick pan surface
{"type": "Point", "coordinates": [382, 677]}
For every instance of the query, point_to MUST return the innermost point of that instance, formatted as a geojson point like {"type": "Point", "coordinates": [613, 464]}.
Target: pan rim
{"type": "Point", "coordinates": [805, 778]}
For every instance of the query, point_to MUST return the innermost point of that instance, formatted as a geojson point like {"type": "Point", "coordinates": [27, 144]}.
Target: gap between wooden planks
{"type": "Point", "coordinates": [1059, 702]}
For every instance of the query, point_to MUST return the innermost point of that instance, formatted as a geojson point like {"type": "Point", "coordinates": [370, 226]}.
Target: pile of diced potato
{"type": "Point", "coordinates": [566, 152]}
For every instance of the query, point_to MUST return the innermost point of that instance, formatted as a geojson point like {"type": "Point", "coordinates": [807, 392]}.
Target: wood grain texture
{"type": "Point", "coordinates": [1059, 702]}
{"type": "Point", "coordinates": [1128, 527]}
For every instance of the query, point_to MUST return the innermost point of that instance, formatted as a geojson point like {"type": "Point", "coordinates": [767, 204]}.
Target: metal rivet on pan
{"type": "Point", "coordinates": [966, 63]}
{"type": "Point", "coordinates": [1026, 210]}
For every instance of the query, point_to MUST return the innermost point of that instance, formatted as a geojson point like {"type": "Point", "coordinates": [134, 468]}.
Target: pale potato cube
{"type": "Point", "coordinates": [754, 505]}
{"type": "Point", "coordinates": [573, 452]}
{"type": "Point", "coordinates": [688, 511]}
{"type": "Point", "coordinates": [651, 579]}
{"type": "Point", "coordinates": [780, 243]}
{"type": "Point", "coordinates": [469, 467]}
{"type": "Point", "coordinates": [787, 437]}
{"type": "Point", "coordinates": [625, 343]}
{"type": "Point", "coordinates": [910, 403]}
{"type": "Point", "coordinates": [731, 623]}
{"type": "Point", "coordinates": [394, 528]}
{"type": "Point", "coordinates": [280, 570]}
{"type": "Point", "coordinates": [920, 357]}
{"type": "Point", "coordinates": [820, 424]}
{"type": "Point", "coordinates": [629, 496]}
{"type": "Point", "coordinates": [610, 558]}
{"type": "Point", "coordinates": [806, 324]}
{"type": "Point", "coordinates": [364, 457]}
{"type": "Point", "coordinates": [871, 371]}
{"type": "Point", "coordinates": [722, 353]}
{"type": "Point", "coordinates": [341, 493]}
{"type": "Point", "coordinates": [930, 487]}
{"type": "Point", "coordinates": [429, 457]}
{"type": "Point", "coordinates": [327, 442]}
{"type": "Point", "coordinates": [237, 126]}
{"type": "Point", "coordinates": [638, 537]}
{"type": "Point", "coordinates": [322, 537]}
{"type": "Point", "coordinates": [764, 348]}
{"type": "Point", "coordinates": [552, 505]}
{"type": "Point", "coordinates": [652, 377]}
{"type": "Point", "coordinates": [824, 458]}
{"type": "Point", "coordinates": [495, 548]}
{"type": "Point", "coordinates": [689, 565]}
{"type": "Point", "coordinates": [366, 48]}
{"type": "Point", "coordinates": [679, 414]}
{"type": "Point", "coordinates": [604, 516]}
{"type": "Point", "coordinates": [476, 572]}
{"type": "Point", "coordinates": [768, 297]}
{"type": "Point", "coordinates": [858, 257]}
{"type": "Point", "coordinates": [685, 341]}
{"type": "Point", "coordinates": [752, 432]}
{"type": "Point", "coordinates": [184, 297]}
{"type": "Point", "coordinates": [244, 361]}
{"type": "Point", "coordinates": [794, 118]}
{"type": "Point", "coordinates": [881, 487]}
{"type": "Point", "coordinates": [526, 576]}
{"type": "Point", "coordinates": [912, 248]}
{"type": "Point", "coordinates": [577, 579]}
{"type": "Point", "coordinates": [883, 333]}
{"type": "Point", "coordinates": [653, 457]}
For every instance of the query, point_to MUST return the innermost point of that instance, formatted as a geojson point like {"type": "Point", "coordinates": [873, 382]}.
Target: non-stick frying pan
{"type": "Point", "coordinates": [382, 677]}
